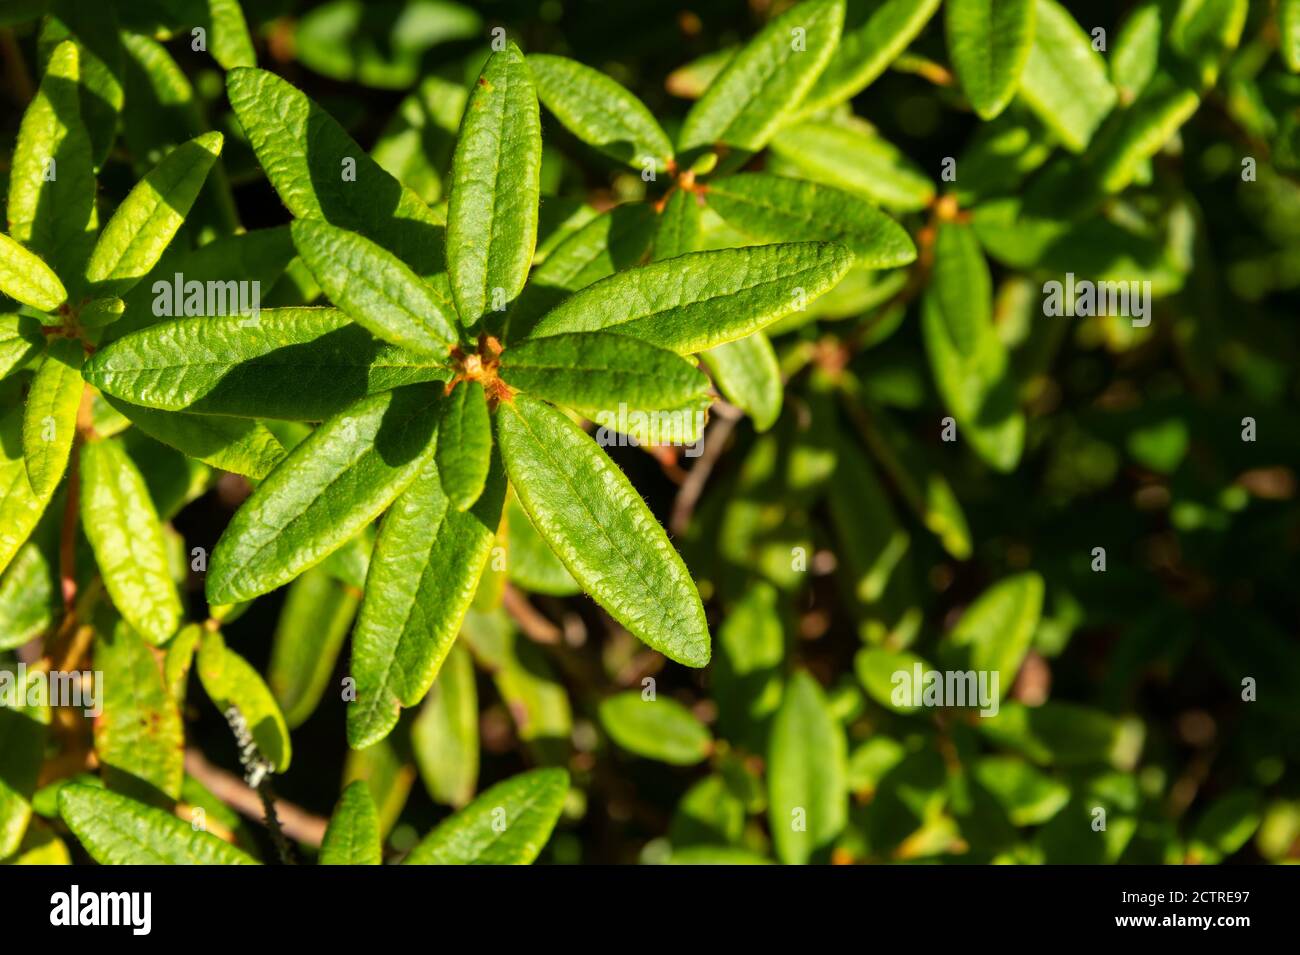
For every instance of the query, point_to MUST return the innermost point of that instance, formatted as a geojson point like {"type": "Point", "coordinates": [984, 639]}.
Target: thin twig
{"type": "Point", "coordinates": [688, 495]}
{"type": "Point", "coordinates": [296, 822]}
{"type": "Point", "coordinates": [532, 622]}
{"type": "Point", "coordinates": [257, 775]}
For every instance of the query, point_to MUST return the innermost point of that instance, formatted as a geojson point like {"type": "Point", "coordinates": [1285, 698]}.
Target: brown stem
{"type": "Point", "coordinates": [296, 822]}
{"type": "Point", "coordinates": [688, 495]}
{"type": "Point", "coordinates": [535, 626]}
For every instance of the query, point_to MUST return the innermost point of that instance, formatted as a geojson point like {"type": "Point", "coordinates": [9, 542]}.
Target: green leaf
{"type": "Point", "coordinates": [1141, 131]}
{"type": "Point", "coordinates": [656, 728]}
{"type": "Point", "coordinates": [967, 358]}
{"type": "Point", "coordinates": [20, 340]}
{"type": "Point", "coordinates": [1029, 796]}
{"type": "Point", "coordinates": [593, 519]}
{"type": "Point", "coordinates": [138, 735]}
{"type": "Point", "coordinates": [595, 372]}
{"type": "Point", "coordinates": [999, 627]}
{"type": "Point", "coordinates": [1065, 81]}
{"type": "Point", "coordinates": [775, 209]}
{"type": "Point", "coordinates": [374, 288]}
{"type": "Point", "coordinates": [352, 837]}
{"type": "Point", "coordinates": [1224, 827]}
{"type": "Point", "coordinates": [149, 217]}
{"type": "Point", "coordinates": [22, 743]}
{"type": "Point", "coordinates": [380, 43]}
{"type": "Point", "coordinates": [679, 226]}
{"type": "Point", "coordinates": [989, 42]}
{"type": "Point", "coordinates": [698, 301]}
{"type": "Point", "coordinates": [601, 113]}
{"type": "Point", "coordinates": [1288, 28]}
{"type": "Point", "coordinates": [387, 774]}
{"type": "Point", "coordinates": [20, 506]}
{"type": "Point", "coordinates": [337, 481]}
{"type": "Point", "coordinates": [532, 564]}
{"type": "Point", "coordinates": [613, 241]}
{"type": "Point", "coordinates": [464, 444]}
{"type": "Point", "coordinates": [1203, 32]}
{"type": "Point", "coordinates": [229, 680]}
{"type": "Point", "coordinates": [807, 775]}
{"type": "Point", "coordinates": [231, 45]}
{"type": "Point", "coordinates": [317, 614]}
{"type": "Point", "coordinates": [95, 28]}
{"type": "Point", "coordinates": [28, 590]}
{"type": "Point", "coordinates": [747, 676]}
{"type": "Point", "coordinates": [178, 660]}
{"type": "Point", "coordinates": [854, 157]}
{"type": "Point", "coordinates": [871, 540]}
{"type": "Point", "coordinates": [238, 445]}
{"type": "Point", "coordinates": [50, 418]}
{"type": "Point", "coordinates": [305, 154]}
{"type": "Point", "coordinates": [127, 538]}
{"type": "Point", "coordinates": [715, 855]}
{"type": "Point", "coordinates": [1136, 53]}
{"type": "Point", "coordinates": [496, 178]}
{"type": "Point", "coordinates": [878, 669]}
{"type": "Point", "coordinates": [747, 101]}
{"type": "Point", "coordinates": [748, 375]}
{"type": "Point", "coordinates": [426, 565]}
{"type": "Point", "coordinates": [51, 207]}
{"type": "Point", "coordinates": [116, 830]}
{"type": "Point", "coordinates": [444, 737]}
{"type": "Point", "coordinates": [508, 824]}
{"type": "Point", "coordinates": [300, 364]}
{"type": "Point", "coordinates": [27, 279]}
{"type": "Point", "coordinates": [874, 35]}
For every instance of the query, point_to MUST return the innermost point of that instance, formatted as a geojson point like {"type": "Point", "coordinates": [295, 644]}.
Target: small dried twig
{"type": "Point", "coordinates": [532, 622]}
{"type": "Point", "coordinates": [296, 822]}
{"type": "Point", "coordinates": [725, 419]}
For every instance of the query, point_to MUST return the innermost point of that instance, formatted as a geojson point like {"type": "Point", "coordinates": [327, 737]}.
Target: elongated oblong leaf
{"type": "Point", "coordinates": [20, 506]}
{"type": "Point", "coordinates": [138, 736]}
{"type": "Point", "coordinates": [320, 172]}
{"type": "Point", "coordinates": [300, 364]}
{"type": "Point", "coordinates": [22, 742]}
{"type": "Point", "coordinates": [1065, 80]}
{"type": "Point", "coordinates": [697, 301]}
{"type": "Point", "coordinates": [967, 358]}
{"type": "Point", "coordinates": [337, 481]}
{"type": "Point", "coordinates": [659, 728]}
{"type": "Point", "coordinates": [20, 340]}
{"type": "Point", "coordinates": [317, 614]}
{"type": "Point", "coordinates": [117, 830]}
{"type": "Point", "coordinates": [444, 737]}
{"type": "Point", "coordinates": [680, 225]}
{"type": "Point", "coordinates": [747, 373]}
{"type": "Point", "coordinates": [999, 626]}
{"type": "Point", "coordinates": [144, 224]}
{"type": "Point", "coordinates": [745, 103]}
{"type": "Point", "coordinates": [51, 206]}
{"type": "Point", "coordinates": [238, 445]}
{"type": "Point", "coordinates": [492, 210]}
{"type": "Point", "coordinates": [854, 157]}
{"type": "Point", "coordinates": [508, 824]}
{"type": "Point", "coordinates": [874, 35]}
{"type": "Point", "coordinates": [127, 538]}
{"type": "Point", "coordinates": [1288, 25]}
{"type": "Point", "coordinates": [352, 837]}
{"type": "Point", "coordinates": [585, 508]}
{"type": "Point", "coordinates": [464, 443]}
{"type": "Point", "coordinates": [374, 287]}
{"type": "Point", "coordinates": [25, 278]}
{"type": "Point", "coordinates": [229, 680]}
{"type": "Point", "coordinates": [601, 112]}
{"type": "Point", "coordinates": [426, 565]}
{"type": "Point", "coordinates": [774, 208]}
{"type": "Point", "coordinates": [989, 42]}
{"type": "Point", "coordinates": [615, 240]}
{"type": "Point", "coordinates": [50, 418]}
{"type": "Point", "coordinates": [593, 372]}
{"type": "Point", "coordinates": [807, 778]}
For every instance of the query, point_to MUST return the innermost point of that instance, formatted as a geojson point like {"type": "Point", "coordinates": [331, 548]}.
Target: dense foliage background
{"type": "Point", "coordinates": [834, 534]}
